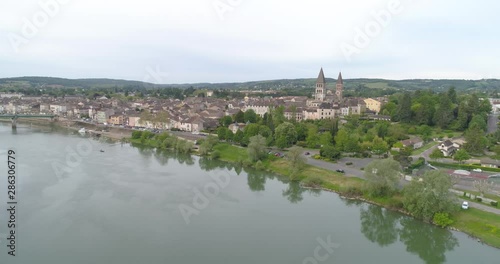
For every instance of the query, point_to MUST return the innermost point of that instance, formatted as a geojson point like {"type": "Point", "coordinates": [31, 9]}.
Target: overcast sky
{"type": "Point", "coordinates": [244, 40]}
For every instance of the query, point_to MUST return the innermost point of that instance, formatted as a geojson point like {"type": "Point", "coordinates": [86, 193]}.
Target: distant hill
{"type": "Point", "coordinates": [485, 85]}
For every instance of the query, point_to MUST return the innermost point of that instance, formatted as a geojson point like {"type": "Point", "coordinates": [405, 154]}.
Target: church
{"type": "Point", "coordinates": [322, 94]}
{"type": "Point", "coordinates": [330, 103]}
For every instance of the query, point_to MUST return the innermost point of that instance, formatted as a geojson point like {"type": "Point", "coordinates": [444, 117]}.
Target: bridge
{"type": "Point", "coordinates": [14, 117]}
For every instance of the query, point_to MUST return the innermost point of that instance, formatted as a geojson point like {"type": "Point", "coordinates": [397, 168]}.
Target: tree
{"type": "Point", "coordinates": [312, 139]}
{"type": "Point", "coordinates": [285, 135]}
{"type": "Point", "coordinates": [239, 117]}
{"type": "Point", "coordinates": [145, 117]}
{"type": "Point", "coordinates": [452, 95]}
{"type": "Point", "coordinates": [403, 157]}
{"type": "Point", "coordinates": [436, 154]}
{"type": "Point", "coordinates": [476, 142]}
{"type": "Point", "coordinates": [161, 119]}
{"type": "Point", "coordinates": [425, 198]}
{"type": "Point", "coordinates": [325, 139]}
{"type": "Point", "coordinates": [229, 135]}
{"type": "Point", "coordinates": [444, 113]}
{"type": "Point", "coordinates": [238, 136]}
{"type": "Point", "coordinates": [225, 121]}
{"type": "Point", "coordinates": [330, 152]}
{"type": "Point", "coordinates": [382, 177]}
{"type": "Point", "coordinates": [461, 155]}
{"type": "Point", "coordinates": [379, 146]}
{"type": "Point", "coordinates": [479, 121]}
{"type": "Point", "coordinates": [341, 138]}
{"type": "Point", "coordinates": [222, 133]}
{"type": "Point", "coordinates": [250, 116]}
{"type": "Point", "coordinates": [483, 186]}
{"type": "Point", "coordinates": [257, 148]}
{"type": "Point", "coordinates": [301, 129]}
{"type": "Point", "coordinates": [403, 113]}
{"type": "Point", "coordinates": [296, 160]}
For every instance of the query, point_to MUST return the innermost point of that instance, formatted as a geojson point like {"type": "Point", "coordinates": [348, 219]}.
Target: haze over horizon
{"type": "Point", "coordinates": [220, 41]}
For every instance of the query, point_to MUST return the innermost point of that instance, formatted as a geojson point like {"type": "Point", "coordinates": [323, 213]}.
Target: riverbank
{"type": "Point", "coordinates": [113, 133]}
{"type": "Point", "coordinates": [482, 225]}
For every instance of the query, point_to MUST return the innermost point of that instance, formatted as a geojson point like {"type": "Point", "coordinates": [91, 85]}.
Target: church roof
{"type": "Point", "coordinates": [339, 79]}
{"type": "Point", "coordinates": [321, 77]}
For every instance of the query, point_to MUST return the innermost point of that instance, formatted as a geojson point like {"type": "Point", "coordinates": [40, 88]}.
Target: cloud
{"type": "Point", "coordinates": [257, 39]}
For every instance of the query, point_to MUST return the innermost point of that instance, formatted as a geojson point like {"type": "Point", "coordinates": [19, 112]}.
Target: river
{"type": "Point", "coordinates": [77, 204]}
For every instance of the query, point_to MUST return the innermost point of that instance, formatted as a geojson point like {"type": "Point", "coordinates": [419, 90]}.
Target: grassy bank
{"type": "Point", "coordinates": [483, 225]}
{"type": "Point", "coordinates": [480, 224]}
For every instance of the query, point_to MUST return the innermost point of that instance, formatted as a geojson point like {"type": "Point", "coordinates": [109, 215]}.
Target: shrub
{"type": "Point", "coordinates": [479, 199]}
{"type": "Point", "coordinates": [465, 194]}
{"type": "Point", "coordinates": [302, 144]}
{"type": "Point", "coordinates": [259, 165]}
{"type": "Point", "coordinates": [352, 191]}
{"type": "Point", "coordinates": [317, 156]}
{"type": "Point", "coordinates": [247, 163]}
{"type": "Point", "coordinates": [136, 134]}
{"type": "Point", "coordinates": [215, 154]}
{"type": "Point", "coordinates": [450, 135]}
{"type": "Point", "coordinates": [348, 163]}
{"type": "Point", "coordinates": [362, 169]}
{"type": "Point", "coordinates": [494, 203]}
{"type": "Point", "coordinates": [394, 203]}
{"type": "Point", "coordinates": [313, 181]}
{"type": "Point", "coordinates": [442, 219]}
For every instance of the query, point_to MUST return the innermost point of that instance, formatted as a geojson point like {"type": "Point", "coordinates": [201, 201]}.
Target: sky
{"type": "Point", "coordinates": [192, 41]}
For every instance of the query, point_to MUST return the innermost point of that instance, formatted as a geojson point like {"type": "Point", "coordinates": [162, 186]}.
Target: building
{"type": "Point", "coordinates": [320, 92]}
{"type": "Point", "coordinates": [116, 120]}
{"type": "Point", "coordinates": [373, 105]}
{"type": "Point", "coordinates": [448, 148]}
{"type": "Point", "coordinates": [414, 143]}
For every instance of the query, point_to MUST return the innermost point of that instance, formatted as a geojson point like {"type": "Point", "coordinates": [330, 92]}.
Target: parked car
{"type": "Point", "coordinates": [307, 153]}
{"type": "Point", "coordinates": [465, 205]}
{"type": "Point", "coordinates": [340, 170]}
{"type": "Point", "coordinates": [477, 170]}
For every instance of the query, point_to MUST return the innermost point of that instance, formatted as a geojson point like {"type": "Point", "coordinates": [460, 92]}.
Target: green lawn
{"type": "Point", "coordinates": [231, 153]}
{"type": "Point", "coordinates": [424, 148]}
{"type": "Point", "coordinates": [481, 224]}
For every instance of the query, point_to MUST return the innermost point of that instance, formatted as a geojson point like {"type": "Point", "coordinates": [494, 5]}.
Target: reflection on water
{"type": "Point", "coordinates": [383, 227]}
{"type": "Point", "coordinates": [122, 206]}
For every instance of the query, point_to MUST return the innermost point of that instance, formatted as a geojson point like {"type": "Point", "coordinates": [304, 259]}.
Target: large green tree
{"type": "Point", "coordinates": [296, 160]}
{"type": "Point", "coordinates": [257, 148]}
{"type": "Point", "coordinates": [475, 140]}
{"type": "Point", "coordinates": [444, 112]}
{"type": "Point", "coordinates": [461, 155]}
{"type": "Point", "coordinates": [382, 177]}
{"type": "Point", "coordinates": [250, 116]}
{"type": "Point", "coordinates": [403, 112]}
{"type": "Point", "coordinates": [432, 195]}
{"type": "Point", "coordinates": [285, 135]}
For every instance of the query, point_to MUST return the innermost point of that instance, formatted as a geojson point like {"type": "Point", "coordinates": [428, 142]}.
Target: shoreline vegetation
{"type": "Point", "coordinates": [483, 226]}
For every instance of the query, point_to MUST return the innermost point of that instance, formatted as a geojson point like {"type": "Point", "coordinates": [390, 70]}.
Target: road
{"type": "Point", "coordinates": [355, 171]}
{"type": "Point", "coordinates": [485, 208]}
{"type": "Point", "coordinates": [350, 171]}
{"type": "Point", "coordinates": [492, 123]}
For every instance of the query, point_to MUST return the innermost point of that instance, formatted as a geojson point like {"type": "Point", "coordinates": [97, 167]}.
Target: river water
{"type": "Point", "coordinates": [126, 204]}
